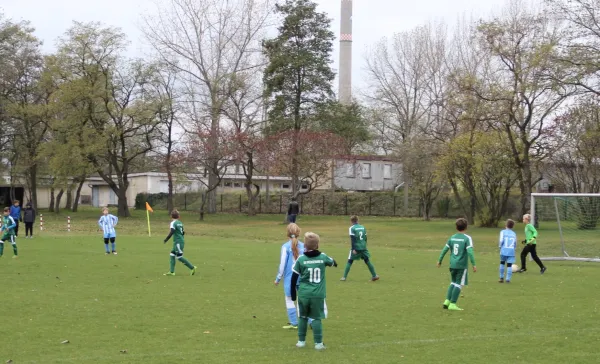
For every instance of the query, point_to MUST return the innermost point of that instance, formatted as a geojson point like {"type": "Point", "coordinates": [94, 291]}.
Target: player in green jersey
{"type": "Point", "coordinates": [461, 251]}
{"type": "Point", "coordinates": [177, 232]}
{"type": "Point", "coordinates": [8, 232]}
{"type": "Point", "coordinates": [310, 270]}
{"type": "Point", "coordinates": [530, 242]}
{"type": "Point", "coordinates": [358, 250]}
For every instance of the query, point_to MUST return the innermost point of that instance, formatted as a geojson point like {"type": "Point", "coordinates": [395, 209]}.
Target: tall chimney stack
{"type": "Point", "coordinates": [345, 75]}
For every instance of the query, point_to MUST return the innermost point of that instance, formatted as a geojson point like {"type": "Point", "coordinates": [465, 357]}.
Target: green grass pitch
{"type": "Point", "coordinates": [63, 287]}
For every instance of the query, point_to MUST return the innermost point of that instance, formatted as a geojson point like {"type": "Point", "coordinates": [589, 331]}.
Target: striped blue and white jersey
{"type": "Point", "coordinates": [107, 223]}
{"type": "Point", "coordinates": [507, 243]}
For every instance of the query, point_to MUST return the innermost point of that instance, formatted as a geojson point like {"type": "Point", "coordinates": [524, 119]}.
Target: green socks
{"type": "Point", "coordinates": [455, 294]}
{"type": "Point", "coordinates": [186, 262]}
{"type": "Point", "coordinates": [1, 248]}
{"type": "Point", "coordinates": [449, 294]}
{"type": "Point", "coordinates": [371, 268]}
{"type": "Point", "coordinates": [303, 327]}
{"type": "Point", "coordinates": [347, 269]}
{"type": "Point", "coordinates": [317, 327]}
{"type": "Point", "coordinates": [15, 249]}
{"type": "Point", "coordinates": [172, 264]}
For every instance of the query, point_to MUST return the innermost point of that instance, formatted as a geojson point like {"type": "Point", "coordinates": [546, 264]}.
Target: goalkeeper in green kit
{"type": "Point", "coordinates": [460, 246]}
{"type": "Point", "coordinates": [530, 242]}
{"type": "Point", "coordinates": [177, 232]}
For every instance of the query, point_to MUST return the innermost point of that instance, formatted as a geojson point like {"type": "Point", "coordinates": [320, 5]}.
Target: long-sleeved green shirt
{"type": "Point", "coordinates": [530, 234]}
{"type": "Point", "coordinates": [461, 248]}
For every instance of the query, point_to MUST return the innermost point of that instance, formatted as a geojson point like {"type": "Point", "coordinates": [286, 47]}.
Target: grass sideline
{"type": "Point", "coordinates": [63, 287]}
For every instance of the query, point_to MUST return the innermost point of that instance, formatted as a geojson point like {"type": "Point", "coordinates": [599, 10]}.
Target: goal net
{"type": "Point", "coordinates": [568, 225]}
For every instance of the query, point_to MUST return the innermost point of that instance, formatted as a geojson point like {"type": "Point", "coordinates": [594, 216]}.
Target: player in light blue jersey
{"type": "Point", "coordinates": [107, 223]}
{"type": "Point", "coordinates": [507, 244]}
{"type": "Point", "coordinates": [290, 251]}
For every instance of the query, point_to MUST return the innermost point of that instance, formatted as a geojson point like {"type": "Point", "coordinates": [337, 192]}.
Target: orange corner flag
{"type": "Point", "coordinates": [148, 207]}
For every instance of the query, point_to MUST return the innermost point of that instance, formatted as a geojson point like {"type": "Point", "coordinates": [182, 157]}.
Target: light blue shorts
{"type": "Point", "coordinates": [507, 259]}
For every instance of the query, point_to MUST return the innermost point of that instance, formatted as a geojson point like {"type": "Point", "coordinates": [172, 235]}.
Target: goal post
{"type": "Point", "coordinates": [569, 225]}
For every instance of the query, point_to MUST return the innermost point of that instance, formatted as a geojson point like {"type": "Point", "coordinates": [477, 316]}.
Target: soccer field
{"type": "Point", "coordinates": [121, 309]}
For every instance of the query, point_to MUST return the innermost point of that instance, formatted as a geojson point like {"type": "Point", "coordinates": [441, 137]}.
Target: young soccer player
{"type": "Point", "coordinates": [530, 246]}
{"type": "Point", "coordinates": [461, 249]}
{"type": "Point", "coordinates": [507, 245]}
{"type": "Point", "coordinates": [177, 232]}
{"type": "Point", "coordinates": [15, 213]}
{"type": "Point", "coordinates": [107, 223]}
{"type": "Point", "coordinates": [290, 251]}
{"type": "Point", "coordinates": [358, 249]}
{"type": "Point", "coordinates": [310, 270]}
{"type": "Point", "coordinates": [29, 219]}
{"type": "Point", "coordinates": [8, 232]}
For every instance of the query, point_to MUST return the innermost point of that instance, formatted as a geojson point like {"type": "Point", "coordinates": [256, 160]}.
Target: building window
{"type": "Point", "coordinates": [227, 184]}
{"type": "Point", "coordinates": [285, 186]}
{"type": "Point", "coordinates": [387, 171]}
{"type": "Point", "coordinates": [304, 187]}
{"type": "Point", "coordinates": [350, 170]}
{"type": "Point", "coordinates": [237, 185]}
{"type": "Point", "coordinates": [366, 170]}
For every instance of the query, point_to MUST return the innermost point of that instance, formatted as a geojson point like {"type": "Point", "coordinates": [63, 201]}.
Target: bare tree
{"type": "Point", "coordinates": [407, 88]}
{"type": "Point", "coordinates": [523, 88]}
{"type": "Point", "coordinates": [208, 42]}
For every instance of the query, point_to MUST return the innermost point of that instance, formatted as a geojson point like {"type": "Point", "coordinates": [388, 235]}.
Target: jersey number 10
{"type": "Point", "coordinates": [314, 275]}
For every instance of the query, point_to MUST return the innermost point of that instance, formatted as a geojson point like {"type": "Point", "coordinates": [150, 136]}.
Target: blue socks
{"type": "Point", "coordinates": [509, 273]}
{"type": "Point", "coordinates": [502, 271]}
{"type": "Point", "coordinates": [106, 247]}
{"type": "Point", "coordinates": [292, 316]}
{"type": "Point", "coordinates": [113, 246]}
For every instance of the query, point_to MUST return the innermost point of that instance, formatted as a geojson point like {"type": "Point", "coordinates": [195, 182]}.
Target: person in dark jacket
{"type": "Point", "coordinates": [29, 219]}
{"type": "Point", "coordinates": [293, 210]}
{"type": "Point", "coordinates": [15, 213]}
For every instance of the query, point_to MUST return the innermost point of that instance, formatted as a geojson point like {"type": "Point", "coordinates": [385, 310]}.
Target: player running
{"type": "Point", "coordinates": [358, 250]}
{"type": "Point", "coordinates": [290, 251]}
{"type": "Point", "coordinates": [107, 223]}
{"type": "Point", "coordinates": [461, 249]}
{"type": "Point", "coordinates": [177, 232]}
{"type": "Point", "coordinates": [8, 232]}
{"type": "Point", "coordinates": [530, 242]}
{"type": "Point", "coordinates": [507, 245]}
{"type": "Point", "coordinates": [310, 270]}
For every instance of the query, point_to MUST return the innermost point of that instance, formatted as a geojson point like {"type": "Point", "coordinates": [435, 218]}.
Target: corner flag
{"type": "Point", "coordinates": [148, 211]}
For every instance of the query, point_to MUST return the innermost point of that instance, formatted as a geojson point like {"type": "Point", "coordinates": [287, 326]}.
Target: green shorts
{"type": "Point", "coordinates": [8, 237]}
{"type": "Point", "coordinates": [177, 249]}
{"type": "Point", "coordinates": [312, 307]}
{"type": "Point", "coordinates": [459, 276]}
{"type": "Point", "coordinates": [360, 254]}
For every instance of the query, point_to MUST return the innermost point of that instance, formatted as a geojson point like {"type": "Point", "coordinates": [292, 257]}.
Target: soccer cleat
{"type": "Point", "coordinates": [169, 274]}
{"type": "Point", "coordinates": [290, 327]}
{"type": "Point", "coordinates": [343, 279]}
{"type": "Point", "coordinates": [507, 281]}
{"type": "Point", "coordinates": [454, 307]}
{"type": "Point", "coordinates": [115, 253]}
{"type": "Point", "coordinates": [301, 344]}
{"type": "Point", "coordinates": [543, 270]}
{"type": "Point", "coordinates": [193, 271]}
{"type": "Point", "coordinates": [319, 346]}
{"type": "Point", "coordinates": [15, 256]}
{"type": "Point", "coordinates": [522, 270]}
{"type": "Point", "coordinates": [373, 279]}
{"type": "Point", "coordinates": [501, 280]}
{"type": "Point", "coordinates": [446, 304]}
{"type": "Point", "coordinates": [107, 253]}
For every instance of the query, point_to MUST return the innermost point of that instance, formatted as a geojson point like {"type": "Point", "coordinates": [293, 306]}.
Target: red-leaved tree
{"type": "Point", "coordinates": [307, 153]}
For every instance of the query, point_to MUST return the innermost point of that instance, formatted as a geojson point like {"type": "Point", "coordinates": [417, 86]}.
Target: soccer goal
{"type": "Point", "coordinates": [568, 225]}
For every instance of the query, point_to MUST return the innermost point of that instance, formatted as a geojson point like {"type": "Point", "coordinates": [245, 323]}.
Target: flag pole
{"type": "Point", "coordinates": [148, 218]}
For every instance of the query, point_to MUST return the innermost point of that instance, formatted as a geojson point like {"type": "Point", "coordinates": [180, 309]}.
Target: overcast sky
{"type": "Point", "coordinates": [372, 20]}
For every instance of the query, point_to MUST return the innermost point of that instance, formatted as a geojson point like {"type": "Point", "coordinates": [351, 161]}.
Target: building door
{"type": "Point", "coordinates": [95, 196]}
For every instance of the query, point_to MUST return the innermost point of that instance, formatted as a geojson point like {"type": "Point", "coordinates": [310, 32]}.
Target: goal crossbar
{"type": "Point", "coordinates": [555, 196]}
